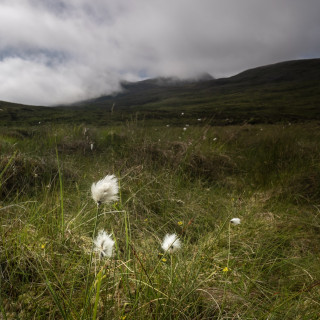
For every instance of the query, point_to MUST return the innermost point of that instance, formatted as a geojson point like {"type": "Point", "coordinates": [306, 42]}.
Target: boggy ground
{"type": "Point", "coordinates": [190, 182]}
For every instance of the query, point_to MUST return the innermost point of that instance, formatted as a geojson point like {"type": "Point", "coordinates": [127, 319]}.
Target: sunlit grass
{"type": "Point", "coordinates": [190, 183]}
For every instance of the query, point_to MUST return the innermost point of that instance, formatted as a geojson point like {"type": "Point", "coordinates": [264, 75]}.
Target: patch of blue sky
{"type": "Point", "coordinates": [143, 74]}
{"type": "Point", "coordinates": [48, 57]}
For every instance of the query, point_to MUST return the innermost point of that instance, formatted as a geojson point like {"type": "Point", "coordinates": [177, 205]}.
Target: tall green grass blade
{"type": "Point", "coordinates": [56, 299]}
{"type": "Point", "coordinates": [97, 285]}
{"type": "Point", "coordinates": [61, 196]}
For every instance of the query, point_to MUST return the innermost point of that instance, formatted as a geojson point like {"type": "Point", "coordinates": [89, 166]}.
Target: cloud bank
{"type": "Point", "coordinates": [62, 51]}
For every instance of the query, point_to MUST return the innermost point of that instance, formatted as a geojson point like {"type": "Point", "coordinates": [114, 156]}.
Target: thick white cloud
{"type": "Point", "coordinates": [61, 51]}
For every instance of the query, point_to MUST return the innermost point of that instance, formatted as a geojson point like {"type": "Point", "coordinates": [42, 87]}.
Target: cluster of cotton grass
{"type": "Point", "coordinates": [104, 244]}
{"type": "Point", "coordinates": [171, 243]}
{"type": "Point", "coordinates": [105, 191]}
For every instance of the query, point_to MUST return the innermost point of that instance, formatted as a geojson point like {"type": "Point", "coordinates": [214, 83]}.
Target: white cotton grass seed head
{"type": "Point", "coordinates": [105, 190]}
{"type": "Point", "coordinates": [171, 243]}
{"type": "Point", "coordinates": [104, 244]}
{"type": "Point", "coordinates": [235, 221]}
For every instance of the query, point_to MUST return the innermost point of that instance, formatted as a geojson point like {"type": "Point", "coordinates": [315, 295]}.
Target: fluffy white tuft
{"type": "Point", "coordinates": [171, 243]}
{"type": "Point", "coordinates": [105, 190]}
{"type": "Point", "coordinates": [235, 221]}
{"type": "Point", "coordinates": [104, 244]}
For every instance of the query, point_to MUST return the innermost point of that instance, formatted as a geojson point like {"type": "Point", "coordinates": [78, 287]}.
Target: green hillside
{"type": "Point", "coordinates": [287, 91]}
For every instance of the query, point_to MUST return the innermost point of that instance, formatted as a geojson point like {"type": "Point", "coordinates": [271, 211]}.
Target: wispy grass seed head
{"type": "Point", "coordinates": [235, 221]}
{"type": "Point", "coordinates": [105, 190]}
{"type": "Point", "coordinates": [171, 243]}
{"type": "Point", "coordinates": [104, 244]}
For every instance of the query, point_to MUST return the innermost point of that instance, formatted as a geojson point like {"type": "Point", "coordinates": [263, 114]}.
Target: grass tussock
{"type": "Point", "coordinates": [171, 181]}
{"type": "Point", "coordinates": [25, 174]}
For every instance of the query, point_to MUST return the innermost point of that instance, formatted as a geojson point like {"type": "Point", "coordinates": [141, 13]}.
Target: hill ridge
{"type": "Point", "coordinates": [284, 91]}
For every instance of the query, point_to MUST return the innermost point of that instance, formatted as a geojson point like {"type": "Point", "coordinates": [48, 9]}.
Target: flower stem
{"type": "Point", "coordinates": [87, 293]}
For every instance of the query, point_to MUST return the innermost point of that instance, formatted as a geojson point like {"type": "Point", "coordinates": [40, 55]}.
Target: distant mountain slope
{"type": "Point", "coordinates": [297, 70]}
{"type": "Point", "coordinates": [155, 91]}
{"type": "Point", "coordinates": [286, 91]}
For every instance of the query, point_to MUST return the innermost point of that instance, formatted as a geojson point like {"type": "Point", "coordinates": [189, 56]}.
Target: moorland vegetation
{"type": "Point", "coordinates": [184, 171]}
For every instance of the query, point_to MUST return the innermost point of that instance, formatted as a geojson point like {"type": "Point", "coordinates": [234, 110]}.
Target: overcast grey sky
{"type": "Point", "coordinates": [61, 51]}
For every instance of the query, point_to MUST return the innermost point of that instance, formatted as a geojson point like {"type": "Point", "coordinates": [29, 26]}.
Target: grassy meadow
{"type": "Point", "coordinates": [189, 182]}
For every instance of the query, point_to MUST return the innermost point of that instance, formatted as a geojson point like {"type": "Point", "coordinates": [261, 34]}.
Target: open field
{"type": "Point", "coordinates": [189, 182]}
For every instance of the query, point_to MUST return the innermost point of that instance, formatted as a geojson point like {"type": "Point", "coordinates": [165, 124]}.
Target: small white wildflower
{"type": "Point", "coordinates": [171, 243]}
{"type": "Point", "coordinates": [168, 125]}
{"type": "Point", "coordinates": [199, 119]}
{"type": "Point", "coordinates": [182, 113]}
{"type": "Point", "coordinates": [184, 129]}
{"type": "Point", "coordinates": [235, 221]}
{"type": "Point", "coordinates": [91, 146]}
{"type": "Point", "coordinates": [214, 139]}
{"type": "Point", "coordinates": [104, 244]}
{"type": "Point", "coordinates": [105, 190]}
